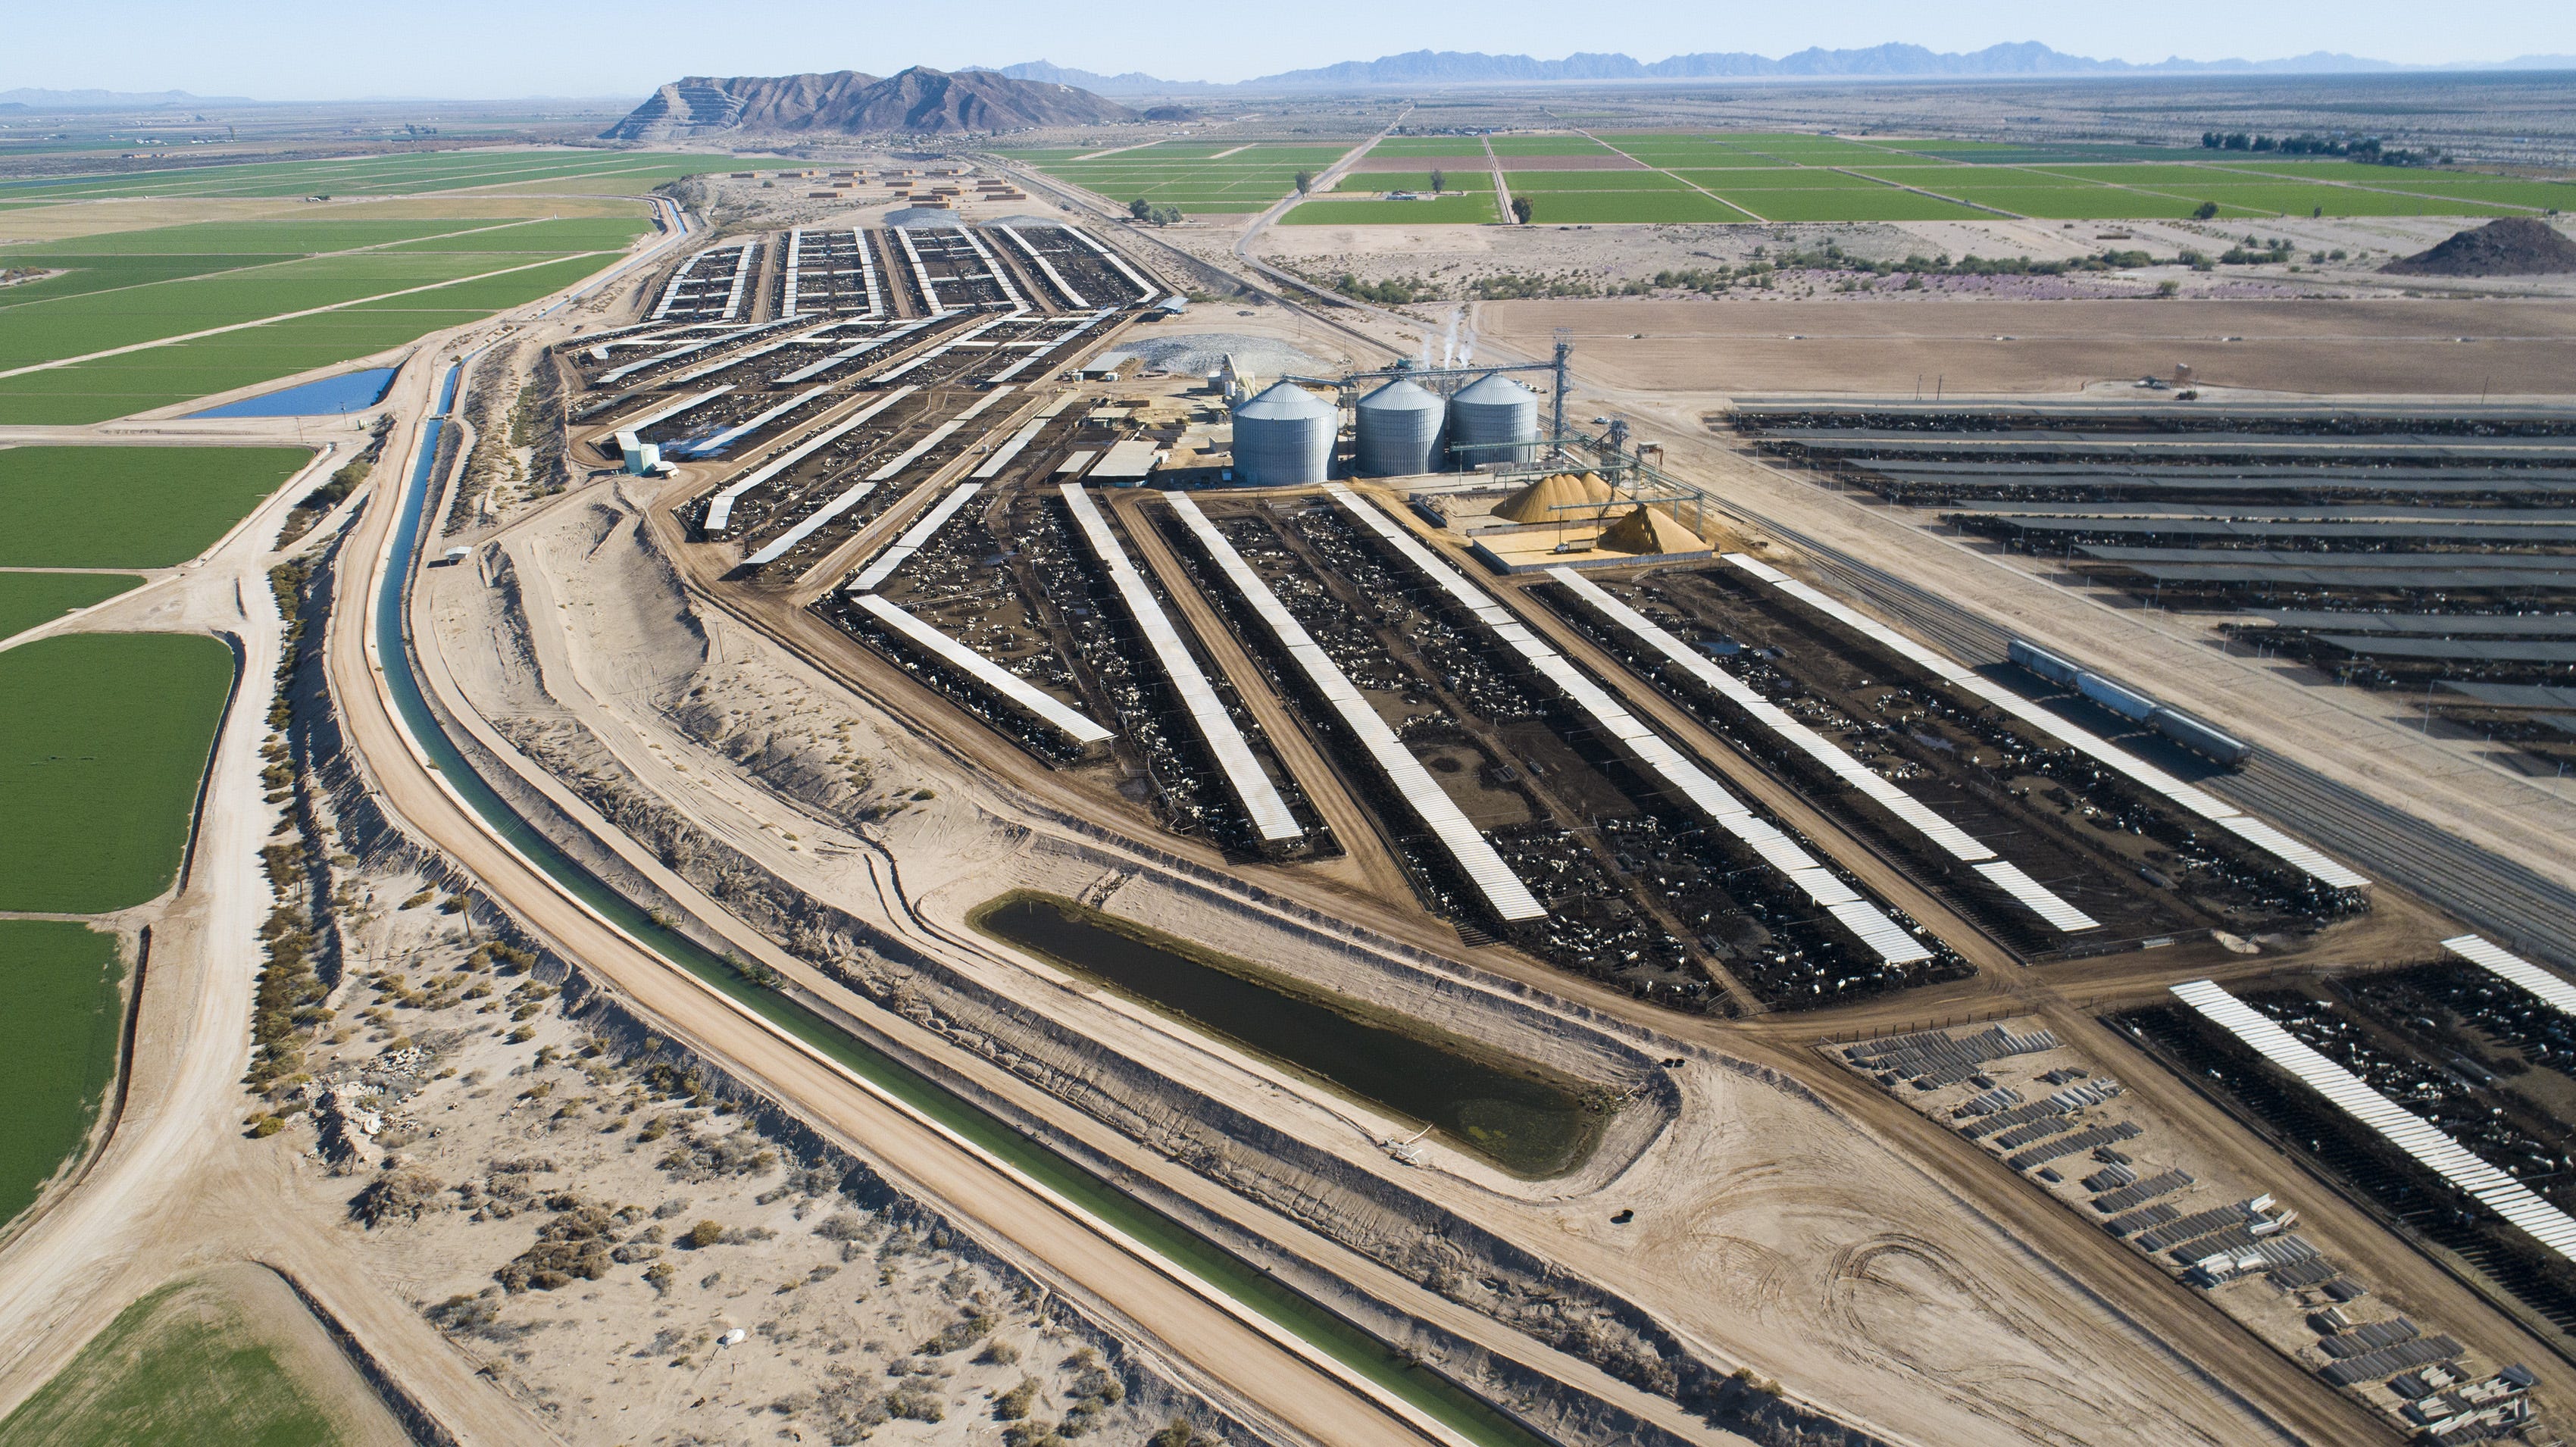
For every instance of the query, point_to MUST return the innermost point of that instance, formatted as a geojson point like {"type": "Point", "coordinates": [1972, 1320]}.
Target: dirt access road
{"type": "Point", "coordinates": [175, 1185]}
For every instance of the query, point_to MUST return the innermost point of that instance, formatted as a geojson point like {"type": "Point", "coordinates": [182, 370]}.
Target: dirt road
{"type": "Point", "coordinates": [1367, 860]}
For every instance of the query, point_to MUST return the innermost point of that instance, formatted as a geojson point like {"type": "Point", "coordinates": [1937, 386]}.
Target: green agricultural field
{"type": "Point", "coordinates": [1446, 211]}
{"type": "Point", "coordinates": [2485, 191]}
{"type": "Point", "coordinates": [2290, 199]}
{"type": "Point", "coordinates": [227, 1359]}
{"type": "Point", "coordinates": [1588, 208]}
{"type": "Point", "coordinates": [1788, 176]}
{"type": "Point", "coordinates": [1876, 203]}
{"type": "Point", "coordinates": [2069, 203]}
{"type": "Point", "coordinates": [580, 233]}
{"type": "Point", "coordinates": [127, 309]}
{"type": "Point", "coordinates": [1547, 146]}
{"type": "Point", "coordinates": [1430, 146]}
{"type": "Point", "coordinates": [130, 507]}
{"type": "Point", "coordinates": [27, 599]}
{"type": "Point", "coordinates": [1272, 153]}
{"type": "Point", "coordinates": [629, 180]}
{"type": "Point", "coordinates": [58, 1048]}
{"type": "Point", "coordinates": [1812, 151]}
{"type": "Point", "coordinates": [1543, 182]}
{"type": "Point", "coordinates": [1802, 179]}
{"type": "Point", "coordinates": [1479, 179]}
{"type": "Point", "coordinates": [163, 375]}
{"type": "Point", "coordinates": [103, 737]}
{"type": "Point", "coordinates": [633, 171]}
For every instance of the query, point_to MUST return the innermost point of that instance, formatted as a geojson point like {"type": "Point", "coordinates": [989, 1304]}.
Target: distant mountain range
{"type": "Point", "coordinates": [1452, 67]}
{"type": "Point", "coordinates": [91, 100]}
{"type": "Point", "coordinates": [918, 102]}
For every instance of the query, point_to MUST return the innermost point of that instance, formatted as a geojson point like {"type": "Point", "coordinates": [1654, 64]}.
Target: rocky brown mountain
{"type": "Point", "coordinates": [919, 101]}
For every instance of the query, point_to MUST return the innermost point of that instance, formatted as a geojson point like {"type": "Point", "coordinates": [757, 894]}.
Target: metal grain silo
{"type": "Point", "coordinates": [1398, 431]}
{"type": "Point", "coordinates": [1284, 437]}
{"type": "Point", "coordinates": [1493, 420]}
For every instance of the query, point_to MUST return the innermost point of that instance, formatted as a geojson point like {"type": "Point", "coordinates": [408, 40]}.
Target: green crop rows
{"type": "Point", "coordinates": [58, 1042]}
{"type": "Point", "coordinates": [1479, 179]}
{"type": "Point", "coordinates": [184, 1367]}
{"type": "Point", "coordinates": [1446, 210]}
{"type": "Point", "coordinates": [1534, 183]}
{"type": "Point", "coordinates": [1586, 208]}
{"type": "Point", "coordinates": [103, 737]}
{"type": "Point", "coordinates": [1546, 146]}
{"type": "Point", "coordinates": [1680, 177]}
{"type": "Point", "coordinates": [1801, 177]}
{"type": "Point", "coordinates": [1458, 146]}
{"type": "Point", "coordinates": [27, 599]}
{"type": "Point", "coordinates": [130, 507]}
{"type": "Point", "coordinates": [629, 172]}
{"type": "Point", "coordinates": [1199, 179]}
{"type": "Point", "coordinates": [403, 277]}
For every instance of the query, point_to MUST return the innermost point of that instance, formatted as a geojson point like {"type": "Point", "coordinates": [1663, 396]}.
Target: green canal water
{"type": "Point", "coordinates": [1529, 1121]}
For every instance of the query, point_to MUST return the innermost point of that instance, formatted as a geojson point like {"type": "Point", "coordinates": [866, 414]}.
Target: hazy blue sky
{"type": "Point", "coordinates": [293, 49]}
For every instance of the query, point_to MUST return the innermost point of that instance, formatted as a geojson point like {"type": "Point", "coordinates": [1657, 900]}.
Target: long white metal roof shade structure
{"type": "Point", "coordinates": [1957, 842]}
{"type": "Point", "coordinates": [599, 347]}
{"type": "Point", "coordinates": [993, 265]}
{"type": "Point", "coordinates": [853, 496]}
{"type": "Point", "coordinates": [726, 337]}
{"type": "Point", "coordinates": [735, 433]}
{"type": "Point", "coordinates": [2209, 806]}
{"type": "Point", "coordinates": [849, 353]}
{"type": "Point", "coordinates": [868, 273]}
{"type": "Point", "coordinates": [1271, 817]}
{"type": "Point", "coordinates": [900, 551]}
{"type": "Point", "coordinates": [664, 413]}
{"type": "Point", "coordinates": [1044, 348]}
{"type": "Point", "coordinates": [1473, 853]}
{"type": "Point", "coordinates": [937, 435]}
{"type": "Point", "coordinates": [920, 271]}
{"type": "Point", "coordinates": [1045, 706]}
{"type": "Point", "coordinates": [1072, 297]}
{"type": "Point", "coordinates": [949, 345]}
{"type": "Point", "coordinates": [671, 288]}
{"type": "Point", "coordinates": [1144, 289]}
{"type": "Point", "coordinates": [741, 273]}
{"type": "Point", "coordinates": [726, 364]}
{"type": "Point", "coordinates": [2404, 1129]}
{"type": "Point", "coordinates": [1826, 889]}
{"type": "Point", "coordinates": [720, 511]}
{"type": "Point", "coordinates": [994, 464]}
{"type": "Point", "coordinates": [812, 522]}
{"type": "Point", "coordinates": [2552, 991]}
{"type": "Point", "coordinates": [795, 257]}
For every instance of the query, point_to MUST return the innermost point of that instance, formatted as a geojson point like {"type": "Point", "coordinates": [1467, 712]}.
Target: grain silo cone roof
{"type": "Point", "coordinates": [1557, 497]}
{"type": "Point", "coordinates": [1401, 396]}
{"type": "Point", "coordinates": [1649, 531]}
{"type": "Point", "coordinates": [1495, 389]}
{"type": "Point", "coordinates": [1282, 402]}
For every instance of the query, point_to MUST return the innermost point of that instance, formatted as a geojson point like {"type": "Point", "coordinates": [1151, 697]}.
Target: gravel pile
{"type": "Point", "coordinates": [2511, 246]}
{"type": "Point", "coordinates": [1197, 354]}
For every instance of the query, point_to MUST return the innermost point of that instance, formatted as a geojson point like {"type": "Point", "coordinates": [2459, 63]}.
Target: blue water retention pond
{"type": "Point", "coordinates": [347, 392]}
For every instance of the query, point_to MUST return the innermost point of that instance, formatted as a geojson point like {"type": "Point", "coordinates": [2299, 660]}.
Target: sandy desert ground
{"type": "Point", "coordinates": [1978, 347]}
